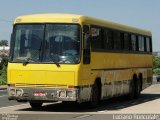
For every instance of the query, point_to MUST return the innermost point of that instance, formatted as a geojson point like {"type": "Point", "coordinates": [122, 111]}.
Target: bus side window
{"type": "Point", "coordinates": [148, 48]}
{"type": "Point", "coordinates": [117, 40]}
{"type": "Point", "coordinates": [97, 38]}
{"type": "Point", "coordinates": [141, 43]}
{"type": "Point", "coordinates": [133, 42]}
{"type": "Point", "coordinates": [108, 36]}
{"type": "Point", "coordinates": [126, 42]}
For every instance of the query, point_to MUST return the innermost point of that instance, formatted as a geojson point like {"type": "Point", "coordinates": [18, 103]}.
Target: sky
{"type": "Point", "coordinates": [143, 14]}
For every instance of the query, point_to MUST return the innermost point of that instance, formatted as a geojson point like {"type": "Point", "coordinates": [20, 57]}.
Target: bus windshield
{"type": "Point", "coordinates": [49, 43]}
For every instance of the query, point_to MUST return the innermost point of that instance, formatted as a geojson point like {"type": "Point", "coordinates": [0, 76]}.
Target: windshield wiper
{"type": "Point", "coordinates": [26, 61]}
{"type": "Point", "coordinates": [54, 59]}
{"type": "Point", "coordinates": [57, 64]}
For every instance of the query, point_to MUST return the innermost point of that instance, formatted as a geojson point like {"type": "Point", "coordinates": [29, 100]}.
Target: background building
{"type": "Point", "coordinates": [4, 50]}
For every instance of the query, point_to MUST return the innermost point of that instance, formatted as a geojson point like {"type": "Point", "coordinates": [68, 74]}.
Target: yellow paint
{"type": "Point", "coordinates": [42, 74]}
{"type": "Point", "coordinates": [77, 75]}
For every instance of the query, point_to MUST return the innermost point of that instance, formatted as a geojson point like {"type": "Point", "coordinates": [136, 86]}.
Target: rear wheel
{"type": "Point", "coordinates": [131, 90]}
{"type": "Point", "coordinates": [35, 104]}
{"type": "Point", "coordinates": [137, 88]}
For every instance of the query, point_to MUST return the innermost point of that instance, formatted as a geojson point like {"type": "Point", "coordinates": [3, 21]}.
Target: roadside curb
{"type": "Point", "coordinates": [3, 87]}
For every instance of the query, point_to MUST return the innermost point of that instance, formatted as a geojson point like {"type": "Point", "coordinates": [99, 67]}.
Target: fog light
{"type": "Point", "coordinates": [19, 92]}
{"type": "Point", "coordinates": [62, 94]}
{"type": "Point", "coordinates": [12, 92]}
{"type": "Point", "coordinates": [54, 94]}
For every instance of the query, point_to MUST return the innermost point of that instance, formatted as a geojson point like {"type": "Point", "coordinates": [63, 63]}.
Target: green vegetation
{"type": "Point", "coordinates": [3, 76]}
{"type": "Point", "coordinates": [4, 43]}
{"type": "Point", "coordinates": [156, 64]}
{"type": "Point", "coordinates": [3, 65]}
{"type": "Point", "coordinates": [3, 71]}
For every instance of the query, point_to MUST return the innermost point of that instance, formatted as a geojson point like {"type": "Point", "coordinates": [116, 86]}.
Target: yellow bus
{"type": "Point", "coordinates": [76, 58]}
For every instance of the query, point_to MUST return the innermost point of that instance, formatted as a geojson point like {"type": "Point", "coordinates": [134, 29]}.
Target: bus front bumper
{"type": "Point", "coordinates": [43, 94]}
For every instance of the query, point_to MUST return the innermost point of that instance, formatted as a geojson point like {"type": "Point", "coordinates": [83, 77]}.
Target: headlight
{"type": "Point", "coordinates": [19, 92]}
{"type": "Point", "coordinates": [71, 94]}
{"type": "Point", "coordinates": [62, 94]}
{"type": "Point", "coordinates": [11, 92]}
{"type": "Point", "coordinates": [54, 93]}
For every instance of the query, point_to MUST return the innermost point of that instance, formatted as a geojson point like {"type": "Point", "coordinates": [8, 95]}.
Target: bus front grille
{"type": "Point", "coordinates": [22, 85]}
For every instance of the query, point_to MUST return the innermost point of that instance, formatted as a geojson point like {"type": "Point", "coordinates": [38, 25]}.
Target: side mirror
{"type": "Point", "coordinates": [86, 29]}
{"type": "Point", "coordinates": [86, 48]}
{"type": "Point", "coordinates": [11, 47]}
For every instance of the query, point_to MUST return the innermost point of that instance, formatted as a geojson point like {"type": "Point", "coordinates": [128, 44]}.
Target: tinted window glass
{"type": "Point", "coordinates": [97, 41]}
{"type": "Point", "coordinates": [148, 48]}
{"type": "Point", "coordinates": [117, 40]}
{"type": "Point", "coordinates": [108, 39]}
{"type": "Point", "coordinates": [133, 43]}
{"type": "Point", "coordinates": [141, 43]}
{"type": "Point", "coordinates": [125, 41]}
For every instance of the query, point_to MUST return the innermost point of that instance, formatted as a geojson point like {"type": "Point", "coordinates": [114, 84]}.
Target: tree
{"type": "Point", "coordinates": [4, 43]}
{"type": "Point", "coordinates": [156, 64]}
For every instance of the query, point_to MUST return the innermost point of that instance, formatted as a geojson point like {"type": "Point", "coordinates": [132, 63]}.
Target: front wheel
{"type": "Point", "coordinates": [35, 104]}
{"type": "Point", "coordinates": [95, 96]}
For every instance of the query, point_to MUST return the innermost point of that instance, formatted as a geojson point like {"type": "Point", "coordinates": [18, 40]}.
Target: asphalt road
{"type": "Point", "coordinates": [148, 103]}
{"type": "Point", "coordinates": [4, 102]}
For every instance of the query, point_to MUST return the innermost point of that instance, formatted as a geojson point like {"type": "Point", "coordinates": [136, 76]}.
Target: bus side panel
{"type": "Point", "coordinates": [116, 71]}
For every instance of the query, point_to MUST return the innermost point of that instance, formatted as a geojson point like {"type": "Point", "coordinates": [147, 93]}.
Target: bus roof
{"type": "Point", "coordinates": [73, 18]}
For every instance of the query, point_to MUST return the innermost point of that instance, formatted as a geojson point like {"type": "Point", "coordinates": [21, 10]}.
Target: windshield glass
{"type": "Point", "coordinates": [62, 44]}
{"type": "Point", "coordinates": [27, 42]}
{"type": "Point", "coordinates": [53, 43]}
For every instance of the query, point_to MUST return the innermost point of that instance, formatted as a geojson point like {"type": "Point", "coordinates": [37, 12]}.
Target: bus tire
{"type": "Point", "coordinates": [131, 90]}
{"type": "Point", "coordinates": [95, 96]}
{"type": "Point", "coordinates": [35, 104]}
{"type": "Point", "coordinates": [137, 88]}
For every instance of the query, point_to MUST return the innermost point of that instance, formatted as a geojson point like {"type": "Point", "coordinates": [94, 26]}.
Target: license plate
{"type": "Point", "coordinates": [39, 94]}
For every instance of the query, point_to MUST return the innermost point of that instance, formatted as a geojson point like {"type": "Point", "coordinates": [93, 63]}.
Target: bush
{"type": "Point", "coordinates": [156, 64]}
{"type": "Point", "coordinates": [156, 71]}
{"type": "Point", "coordinates": [3, 71]}
{"type": "Point", "coordinates": [3, 76]}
